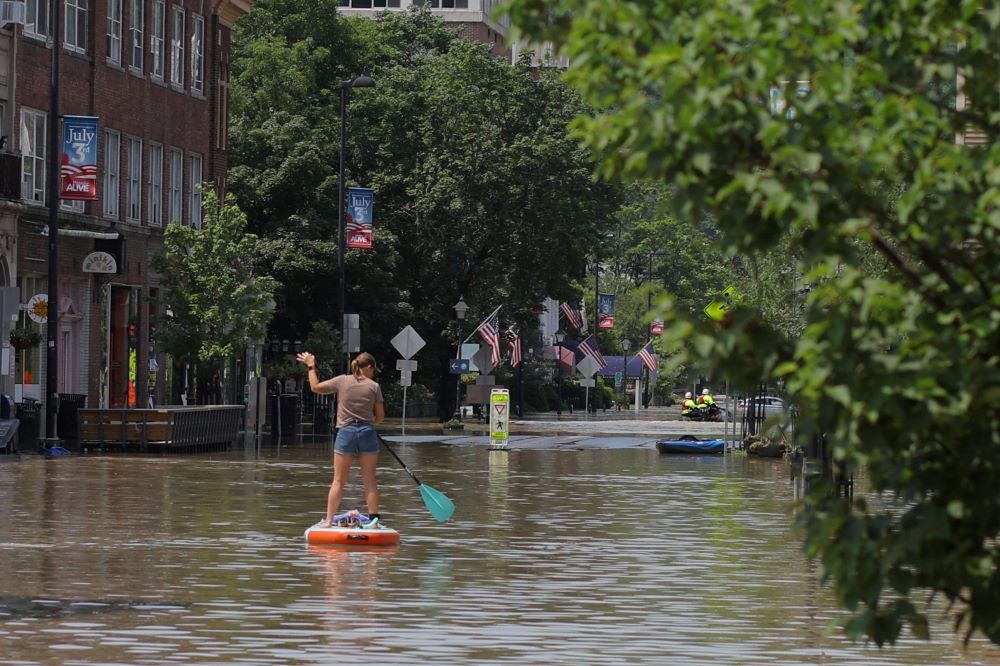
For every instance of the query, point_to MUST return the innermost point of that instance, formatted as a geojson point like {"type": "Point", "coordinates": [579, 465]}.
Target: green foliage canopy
{"type": "Point", "coordinates": [215, 303]}
{"type": "Point", "coordinates": [896, 368]}
{"type": "Point", "coordinates": [480, 192]}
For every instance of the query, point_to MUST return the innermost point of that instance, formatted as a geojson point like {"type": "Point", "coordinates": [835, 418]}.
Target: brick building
{"type": "Point", "coordinates": [155, 74]}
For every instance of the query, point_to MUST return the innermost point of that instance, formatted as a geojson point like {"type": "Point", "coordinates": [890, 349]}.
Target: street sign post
{"type": "Point", "coordinates": [499, 419]}
{"type": "Point", "coordinates": [587, 367]}
{"type": "Point", "coordinates": [407, 342]}
{"type": "Point", "coordinates": [458, 366]}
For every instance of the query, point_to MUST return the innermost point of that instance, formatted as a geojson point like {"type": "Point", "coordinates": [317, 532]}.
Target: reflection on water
{"type": "Point", "coordinates": [553, 557]}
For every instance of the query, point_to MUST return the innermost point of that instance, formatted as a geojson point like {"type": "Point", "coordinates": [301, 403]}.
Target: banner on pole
{"type": "Point", "coordinates": [360, 212]}
{"type": "Point", "coordinates": [656, 328]}
{"type": "Point", "coordinates": [78, 168]}
{"type": "Point", "coordinates": [606, 311]}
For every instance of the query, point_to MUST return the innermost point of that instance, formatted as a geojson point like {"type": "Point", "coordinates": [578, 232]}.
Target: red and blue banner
{"type": "Point", "coordinates": [360, 212]}
{"type": "Point", "coordinates": [78, 169]}
{"type": "Point", "coordinates": [606, 311]}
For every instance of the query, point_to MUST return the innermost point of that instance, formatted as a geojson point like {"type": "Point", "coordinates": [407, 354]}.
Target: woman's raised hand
{"type": "Point", "coordinates": [307, 358]}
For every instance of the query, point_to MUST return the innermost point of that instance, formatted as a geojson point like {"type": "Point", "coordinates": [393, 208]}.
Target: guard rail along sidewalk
{"type": "Point", "coordinates": [160, 428]}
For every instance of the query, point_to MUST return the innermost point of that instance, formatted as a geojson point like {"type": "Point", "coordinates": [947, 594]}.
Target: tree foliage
{"type": "Point", "coordinates": [891, 225]}
{"type": "Point", "coordinates": [215, 302]}
{"type": "Point", "coordinates": [480, 192]}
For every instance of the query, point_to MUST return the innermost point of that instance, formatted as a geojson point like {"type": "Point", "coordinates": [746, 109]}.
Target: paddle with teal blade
{"type": "Point", "coordinates": [437, 502]}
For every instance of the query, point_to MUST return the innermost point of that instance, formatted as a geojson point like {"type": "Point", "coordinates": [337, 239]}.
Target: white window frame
{"type": "Point", "coordinates": [175, 187]}
{"type": "Point", "coordinates": [158, 38]}
{"type": "Point", "coordinates": [197, 53]}
{"type": "Point", "coordinates": [154, 210]}
{"type": "Point", "coordinates": [114, 43]}
{"type": "Point", "coordinates": [75, 26]}
{"type": "Point", "coordinates": [34, 147]}
{"type": "Point", "coordinates": [133, 181]}
{"type": "Point", "coordinates": [137, 34]}
{"type": "Point", "coordinates": [177, 36]}
{"type": "Point", "coordinates": [36, 19]}
{"type": "Point", "coordinates": [72, 205]}
{"type": "Point", "coordinates": [195, 176]}
{"type": "Point", "coordinates": [112, 173]}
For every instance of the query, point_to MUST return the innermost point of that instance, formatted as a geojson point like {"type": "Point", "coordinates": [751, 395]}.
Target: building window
{"type": "Point", "coordinates": [75, 38]}
{"type": "Point", "coordinates": [71, 205]}
{"type": "Point", "coordinates": [174, 198]}
{"type": "Point", "coordinates": [112, 166]}
{"type": "Point", "coordinates": [115, 31]}
{"type": "Point", "coordinates": [137, 27]}
{"type": "Point", "coordinates": [157, 39]}
{"type": "Point", "coordinates": [197, 53]}
{"type": "Point", "coordinates": [155, 208]}
{"type": "Point", "coordinates": [33, 149]}
{"type": "Point", "coordinates": [36, 20]}
{"type": "Point", "coordinates": [194, 193]}
{"type": "Point", "coordinates": [133, 181]}
{"type": "Point", "coordinates": [177, 48]}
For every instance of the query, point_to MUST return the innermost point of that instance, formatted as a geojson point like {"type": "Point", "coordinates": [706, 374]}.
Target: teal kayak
{"type": "Point", "coordinates": [691, 446]}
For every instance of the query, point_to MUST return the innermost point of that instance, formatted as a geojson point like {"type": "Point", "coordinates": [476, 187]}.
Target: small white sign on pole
{"type": "Point", "coordinates": [499, 418]}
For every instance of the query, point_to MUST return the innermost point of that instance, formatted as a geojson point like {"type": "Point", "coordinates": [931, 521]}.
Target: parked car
{"type": "Point", "coordinates": [771, 404]}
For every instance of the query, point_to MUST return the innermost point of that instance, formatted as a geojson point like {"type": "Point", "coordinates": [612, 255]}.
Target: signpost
{"type": "Point", "coordinates": [499, 418]}
{"type": "Point", "coordinates": [407, 342]}
{"type": "Point", "coordinates": [587, 367]}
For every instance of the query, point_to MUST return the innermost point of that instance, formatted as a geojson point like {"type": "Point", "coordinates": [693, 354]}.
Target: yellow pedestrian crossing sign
{"type": "Point", "coordinates": [499, 418]}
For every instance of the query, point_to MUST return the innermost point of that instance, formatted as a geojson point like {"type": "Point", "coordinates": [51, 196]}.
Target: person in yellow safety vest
{"type": "Point", "coordinates": [705, 400]}
{"type": "Point", "coordinates": [688, 405]}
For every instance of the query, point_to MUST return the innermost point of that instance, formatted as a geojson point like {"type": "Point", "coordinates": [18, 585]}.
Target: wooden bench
{"type": "Point", "coordinates": [163, 428]}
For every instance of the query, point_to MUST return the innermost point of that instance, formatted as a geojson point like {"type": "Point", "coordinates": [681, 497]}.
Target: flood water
{"type": "Point", "coordinates": [594, 556]}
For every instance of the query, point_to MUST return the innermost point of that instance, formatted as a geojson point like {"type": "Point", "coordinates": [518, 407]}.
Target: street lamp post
{"type": "Point", "coordinates": [626, 344]}
{"type": "Point", "coordinates": [460, 309]}
{"type": "Point", "coordinates": [362, 81]}
{"type": "Point", "coordinates": [560, 336]}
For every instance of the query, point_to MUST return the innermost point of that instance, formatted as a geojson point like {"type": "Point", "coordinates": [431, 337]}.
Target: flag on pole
{"type": "Point", "coordinates": [489, 331]}
{"type": "Point", "coordinates": [649, 357]}
{"type": "Point", "coordinates": [589, 348]}
{"type": "Point", "coordinates": [514, 341]}
{"type": "Point", "coordinates": [572, 315]}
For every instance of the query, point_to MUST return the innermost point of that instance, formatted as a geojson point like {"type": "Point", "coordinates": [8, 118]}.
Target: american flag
{"type": "Point", "coordinates": [572, 315]}
{"type": "Point", "coordinates": [589, 348]}
{"type": "Point", "coordinates": [514, 340]}
{"type": "Point", "coordinates": [649, 357]}
{"type": "Point", "coordinates": [489, 331]}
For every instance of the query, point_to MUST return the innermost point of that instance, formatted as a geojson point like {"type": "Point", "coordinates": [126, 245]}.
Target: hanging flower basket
{"type": "Point", "coordinates": [24, 338]}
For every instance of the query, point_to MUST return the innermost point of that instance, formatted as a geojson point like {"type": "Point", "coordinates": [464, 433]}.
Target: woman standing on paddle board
{"type": "Point", "coordinates": [360, 407]}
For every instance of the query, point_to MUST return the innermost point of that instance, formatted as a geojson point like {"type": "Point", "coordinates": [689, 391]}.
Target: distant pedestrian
{"type": "Point", "coordinates": [360, 407]}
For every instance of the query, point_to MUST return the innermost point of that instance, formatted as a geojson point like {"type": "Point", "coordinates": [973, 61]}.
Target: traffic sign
{"type": "Point", "coordinates": [588, 382]}
{"type": "Point", "coordinates": [408, 342]}
{"type": "Point", "coordinates": [458, 366]}
{"type": "Point", "coordinates": [618, 379]}
{"type": "Point", "coordinates": [499, 418]}
{"type": "Point", "coordinates": [406, 378]}
{"type": "Point", "coordinates": [483, 361]}
{"type": "Point", "coordinates": [587, 367]}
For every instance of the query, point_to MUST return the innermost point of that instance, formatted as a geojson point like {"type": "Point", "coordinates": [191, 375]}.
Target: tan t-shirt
{"type": "Point", "coordinates": [356, 398]}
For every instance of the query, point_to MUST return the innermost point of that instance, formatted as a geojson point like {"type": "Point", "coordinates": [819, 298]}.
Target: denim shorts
{"type": "Point", "coordinates": [355, 439]}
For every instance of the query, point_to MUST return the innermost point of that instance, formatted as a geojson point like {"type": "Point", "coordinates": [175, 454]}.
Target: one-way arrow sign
{"type": "Point", "coordinates": [458, 366]}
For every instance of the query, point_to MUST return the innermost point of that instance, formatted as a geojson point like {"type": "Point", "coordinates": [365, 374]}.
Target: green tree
{"type": "Point", "coordinates": [831, 126]}
{"type": "Point", "coordinates": [479, 190]}
{"type": "Point", "coordinates": [215, 301]}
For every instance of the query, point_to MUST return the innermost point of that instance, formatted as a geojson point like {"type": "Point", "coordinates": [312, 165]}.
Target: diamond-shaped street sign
{"type": "Point", "coordinates": [587, 366]}
{"type": "Point", "coordinates": [408, 342]}
{"type": "Point", "coordinates": [483, 361]}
